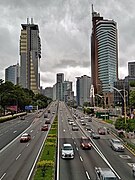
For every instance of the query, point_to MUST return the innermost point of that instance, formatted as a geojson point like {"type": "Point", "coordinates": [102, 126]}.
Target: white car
{"type": "Point", "coordinates": [71, 122]}
{"type": "Point", "coordinates": [116, 145]}
{"type": "Point", "coordinates": [67, 151]}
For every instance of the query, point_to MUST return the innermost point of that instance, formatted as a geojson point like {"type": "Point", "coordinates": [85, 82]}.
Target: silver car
{"type": "Point", "coordinates": [116, 145]}
{"type": "Point", "coordinates": [67, 151]}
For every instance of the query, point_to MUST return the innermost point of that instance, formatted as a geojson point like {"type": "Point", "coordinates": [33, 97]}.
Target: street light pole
{"type": "Point", "coordinates": [124, 100]}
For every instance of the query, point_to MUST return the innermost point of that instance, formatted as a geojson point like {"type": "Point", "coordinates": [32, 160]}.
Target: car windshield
{"type": "Point", "coordinates": [117, 141]}
{"type": "Point", "coordinates": [24, 135]}
{"type": "Point", "coordinates": [110, 178]}
{"type": "Point", "coordinates": [67, 148]}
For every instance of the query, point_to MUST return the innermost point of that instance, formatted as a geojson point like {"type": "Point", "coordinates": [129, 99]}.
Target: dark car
{"type": "Point", "coordinates": [47, 121]}
{"type": "Point", "coordinates": [85, 143]}
{"type": "Point", "coordinates": [25, 137]}
{"type": "Point", "coordinates": [94, 135]}
{"type": "Point", "coordinates": [44, 127]}
{"type": "Point", "coordinates": [45, 115]}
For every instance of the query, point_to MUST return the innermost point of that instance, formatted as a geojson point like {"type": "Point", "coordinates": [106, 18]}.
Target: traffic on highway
{"type": "Point", "coordinates": [86, 147]}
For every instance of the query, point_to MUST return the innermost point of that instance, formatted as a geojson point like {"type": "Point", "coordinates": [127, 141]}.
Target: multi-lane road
{"type": "Point", "coordinates": [17, 160]}
{"type": "Point", "coordinates": [85, 161]}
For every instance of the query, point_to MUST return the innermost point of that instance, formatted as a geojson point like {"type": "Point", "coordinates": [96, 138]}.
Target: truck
{"type": "Point", "coordinates": [105, 174]}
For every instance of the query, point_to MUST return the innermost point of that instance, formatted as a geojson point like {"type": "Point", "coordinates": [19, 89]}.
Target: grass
{"type": "Point", "coordinates": [109, 121]}
{"type": "Point", "coordinates": [46, 164]}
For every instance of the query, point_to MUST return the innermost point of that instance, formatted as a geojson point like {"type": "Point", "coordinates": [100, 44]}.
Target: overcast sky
{"type": "Point", "coordinates": [65, 28]}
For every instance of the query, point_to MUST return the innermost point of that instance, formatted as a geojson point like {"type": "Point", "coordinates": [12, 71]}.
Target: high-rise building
{"type": "Point", "coordinates": [12, 74]}
{"type": "Point", "coordinates": [83, 85]}
{"type": "Point", "coordinates": [60, 77]}
{"type": "Point", "coordinates": [48, 92]}
{"type": "Point", "coordinates": [30, 54]}
{"type": "Point", "coordinates": [104, 53]}
{"type": "Point", "coordinates": [131, 69]}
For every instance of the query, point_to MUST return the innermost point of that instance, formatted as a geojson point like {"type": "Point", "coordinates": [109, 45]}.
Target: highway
{"type": "Point", "coordinates": [17, 159]}
{"type": "Point", "coordinates": [85, 161]}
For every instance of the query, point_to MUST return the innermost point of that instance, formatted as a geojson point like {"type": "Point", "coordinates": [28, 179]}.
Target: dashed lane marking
{"type": "Point", "coordinates": [18, 156]}
{"type": "Point", "coordinates": [125, 156]}
{"type": "Point", "coordinates": [87, 174]}
{"type": "Point", "coordinates": [2, 176]}
{"type": "Point", "coordinates": [81, 158]}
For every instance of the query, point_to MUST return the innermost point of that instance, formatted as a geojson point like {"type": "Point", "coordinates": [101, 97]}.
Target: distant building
{"type": "Point", "coordinates": [104, 54]}
{"type": "Point", "coordinates": [30, 54]}
{"type": "Point", "coordinates": [60, 78]}
{"type": "Point", "coordinates": [62, 89]}
{"type": "Point", "coordinates": [48, 92]}
{"type": "Point", "coordinates": [131, 69]}
{"type": "Point", "coordinates": [83, 85]}
{"type": "Point", "coordinates": [12, 74]}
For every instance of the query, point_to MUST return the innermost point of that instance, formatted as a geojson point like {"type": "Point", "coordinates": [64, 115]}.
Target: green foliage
{"type": "Point", "coordinates": [129, 126]}
{"type": "Point", "coordinates": [132, 98]}
{"type": "Point", "coordinates": [47, 163]}
{"type": "Point", "coordinates": [11, 95]}
{"type": "Point", "coordinates": [132, 83]}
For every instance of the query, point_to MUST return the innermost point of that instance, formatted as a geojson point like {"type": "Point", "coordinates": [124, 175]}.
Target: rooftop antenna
{"type": "Point", "coordinates": [27, 20]}
{"type": "Point", "coordinates": [31, 20]}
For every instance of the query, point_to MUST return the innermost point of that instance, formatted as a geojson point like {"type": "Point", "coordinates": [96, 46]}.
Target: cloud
{"type": "Point", "coordinates": [65, 29]}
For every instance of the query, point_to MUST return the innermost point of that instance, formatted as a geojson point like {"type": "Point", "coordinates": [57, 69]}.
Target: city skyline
{"type": "Point", "coordinates": [65, 28]}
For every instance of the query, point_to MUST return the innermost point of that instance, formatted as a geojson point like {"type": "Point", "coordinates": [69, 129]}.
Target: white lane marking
{"type": "Point", "coordinates": [14, 131]}
{"type": "Point", "coordinates": [14, 140]}
{"type": "Point", "coordinates": [77, 149]}
{"type": "Point", "coordinates": [131, 164]}
{"type": "Point", "coordinates": [87, 174]}
{"type": "Point", "coordinates": [62, 120]}
{"type": "Point", "coordinates": [28, 144]}
{"type": "Point", "coordinates": [2, 176]}
{"type": "Point", "coordinates": [125, 156]}
{"type": "Point", "coordinates": [74, 142]}
{"type": "Point", "coordinates": [18, 156]}
{"type": "Point", "coordinates": [72, 137]}
{"type": "Point", "coordinates": [64, 130]}
{"type": "Point", "coordinates": [31, 131]}
{"type": "Point", "coordinates": [33, 137]}
{"type": "Point", "coordinates": [81, 158]}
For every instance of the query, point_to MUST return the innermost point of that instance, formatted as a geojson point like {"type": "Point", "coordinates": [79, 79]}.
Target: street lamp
{"type": "Point", "coordinates": [124, 100]}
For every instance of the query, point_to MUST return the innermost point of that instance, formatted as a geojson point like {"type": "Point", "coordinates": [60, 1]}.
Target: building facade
{"type": "Point", "coordinates": [131, 69]}
{"type": "Point", "coordinates": [104, 53]}
{"type": "Point", "coordinates": [12, 74]}
{"type": "Point", "coordinates": [30, 54]}
{"type": "Point", "coordinates": [83, 85]}
{"type": "Point", "coordinates": [48, 92]}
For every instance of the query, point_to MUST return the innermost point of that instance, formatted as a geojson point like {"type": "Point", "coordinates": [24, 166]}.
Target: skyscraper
{"type": "Point", "coordinates": [12, 74]}
{"type": "Point", "coordinates": [30, 54]}
{"type": "Point", "coordinates": [83, 85]}
{"type": "Point", "coordinates": [104, 53]}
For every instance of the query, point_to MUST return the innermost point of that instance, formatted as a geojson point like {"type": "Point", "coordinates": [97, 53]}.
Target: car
{"type": "Point", "coordinates": [88, 119]}
{"type": "Point", "coordinates": [53, 112]}
{"type": "Point", "coordinates": [49, 111]}
{"type": "Point", "coordinates": [83, 123]}
{"type": "Point", "coordinates": [85, 143]}
{"type": "Point", "coordinates": [45, 115]}
{"type": "Point", "coordinates": [116, 145]}
{"type": "Point", "coordinates": [95, 135]}
{"type": "Point", "coordinates": [101, 131]}
{"type": "Point", "coordinates": [104, 174]}
{"type": "Point", "coordinates": [44, 127]}
{"type": "Point", "coordinates": [67, 151]}
{"type": "Point", "coordinates": [22, 117]}
{"type": "Point", "coordinates": [71, 122]}
{"type": "Point", "coordinates": [88, 127]}
{"type": "Point", "coordinates": [75, 127]}
{"type": "Point", "coordinates": [25, 137]}
{"type": "Point", "coordinates": [133, 170]}
{"type": "Point", "coordinates": [47, 121]}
